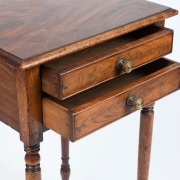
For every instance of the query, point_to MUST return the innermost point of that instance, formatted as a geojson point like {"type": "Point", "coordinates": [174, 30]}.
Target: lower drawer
{"type": "Point", "coordinates": [84, 113]}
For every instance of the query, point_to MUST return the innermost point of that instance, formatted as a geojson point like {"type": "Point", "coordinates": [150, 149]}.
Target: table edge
{"type": "Point", "coordinates": [80, 45]}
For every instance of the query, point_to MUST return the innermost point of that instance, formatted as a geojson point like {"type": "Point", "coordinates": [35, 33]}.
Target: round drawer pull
{"type": "Point", "coordinates": [125, 65]}
{"type": "Point", "coordinates": [135, 101]}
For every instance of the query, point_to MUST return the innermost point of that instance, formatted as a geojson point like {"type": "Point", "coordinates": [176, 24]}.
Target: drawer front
{"type": "Point", "coordinates": [80, 72]}
{"type": "Point", "coordinates": [80, 115]}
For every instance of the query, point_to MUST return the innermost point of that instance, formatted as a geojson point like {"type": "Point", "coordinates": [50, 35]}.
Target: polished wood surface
{"type": "Point", "coordinates": [86, 38]}
{"type": "Point", "coordinates": [80, 115]}
{"type": "Point", "coordinates": [8, 96]}
{"type": "Point", "coordinates": [32, 159]}
{"type": "Point", "coordinates": [57, 117]}
{"type": "Point", "coordinates": [65, 167]}
{"type": "Point", "coordinates": [80, 71]}
{"type": "Point", "coordinates": [28, 84]}
{"type": "Point", "coordinates": [145, 139]}
{"type": "Point", "coordinates": [33, 32]}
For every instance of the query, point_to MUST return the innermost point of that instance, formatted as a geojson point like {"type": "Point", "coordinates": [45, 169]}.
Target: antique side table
{"type": "Point", "coordinates": [76, 66]}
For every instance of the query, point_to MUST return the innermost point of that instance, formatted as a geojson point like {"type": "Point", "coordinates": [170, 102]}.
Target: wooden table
{"type": "Point", "coordinates": [77, 66]}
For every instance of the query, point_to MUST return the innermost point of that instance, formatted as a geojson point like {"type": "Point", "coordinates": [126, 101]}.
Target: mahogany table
{"type": "Point", "coordinates": [76, 66]}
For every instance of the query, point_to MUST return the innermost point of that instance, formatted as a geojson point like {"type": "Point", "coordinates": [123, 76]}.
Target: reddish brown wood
{"type": "Point", "coordinates": [88, 66]}
{"type": "Point", "coordinates": [28, 84]}
{"type": "Point", "coordinates": [36, 32]}
{"type": "Point", "coordinates": [8, 96]}
{"type": "Point", "coordinates": [145, 139]}
{"type": "Point", "coordinates": [32, 159]}
{"type": "Point", "coordinates": [160, 24]}
{"type": "Point", "coordinates": [53, 113]}
{"type": "Point", "coordinates": [84, 113]}
{"type": "Point", "coordinates": [65, 168]}
{"type": "Point", "coordinates": [41, 31]}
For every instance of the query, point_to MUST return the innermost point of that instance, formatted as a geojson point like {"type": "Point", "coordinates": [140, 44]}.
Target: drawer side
{"type": "Point", "coordinates": [56, 117]}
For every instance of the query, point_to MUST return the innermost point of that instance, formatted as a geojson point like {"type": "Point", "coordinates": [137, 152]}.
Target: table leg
{"type": "Point", "coordinates": [65, 168]}
{"type": "Point", "coordinates": [145, 139]}
{"type": "Point", "coordinates": [32, 159]}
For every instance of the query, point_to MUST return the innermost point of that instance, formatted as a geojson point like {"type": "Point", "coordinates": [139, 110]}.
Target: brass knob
{"type": "Point", "coordinates": [125, 65]}
{"type": "Point", "coordinates": [135, 101]}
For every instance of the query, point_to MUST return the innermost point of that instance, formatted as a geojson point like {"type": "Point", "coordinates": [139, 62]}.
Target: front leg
{"type": "Point", "coordinates": [32, 159]}
{"type": "Point", "coordinates": [28, 85]}
{"type": "Point", "coordinates": [65, 168]}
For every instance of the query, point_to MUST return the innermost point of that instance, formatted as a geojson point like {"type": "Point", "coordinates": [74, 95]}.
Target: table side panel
{"type": "Point", "coordinates": [8, 96]}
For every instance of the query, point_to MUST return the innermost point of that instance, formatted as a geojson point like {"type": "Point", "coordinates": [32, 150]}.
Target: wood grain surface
{"type": "Point", "coordinates": [32, 159]}
{"type": "Point", "coordinates": [75, 73]}
{"type": "Point", "coordinates": [65, 167]}
{"type": "Point", "coordinates": [145, 141]}
{"type": "Point", "coordinates": [28, 85]}
{"type": "Point", "coordinates": [95, 108]}
{"type": "Point", "coordinates": [33, 32]}
{"type": "Point", "coordinates": [8, 97]}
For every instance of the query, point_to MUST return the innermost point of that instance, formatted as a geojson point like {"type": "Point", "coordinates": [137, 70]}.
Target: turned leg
{"type": "Point", "coordinates": [145, 139]}
{"type": "Point", "coordinates": [32, 159]}
{"type": "Point", "coordinates": [65, 168]}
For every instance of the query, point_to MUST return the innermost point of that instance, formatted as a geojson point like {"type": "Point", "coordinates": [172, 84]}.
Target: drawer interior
{"type": "Point", "coordinates": [118, 84]}
{"type": "Point", "coordinates": [88, 55]}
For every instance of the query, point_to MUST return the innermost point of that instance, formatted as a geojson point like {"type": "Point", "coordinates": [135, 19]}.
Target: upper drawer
{"type": "Point", "coordinates": [82, 70]}
{"type": "Point", "coordinates": [88, 111]}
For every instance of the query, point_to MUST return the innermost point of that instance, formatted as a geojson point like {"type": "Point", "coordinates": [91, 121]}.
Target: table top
{"type": "Point", "coordinates": [34, 32]}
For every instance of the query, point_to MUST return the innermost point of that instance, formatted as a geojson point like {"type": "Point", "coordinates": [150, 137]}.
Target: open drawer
{"type": "Point", "coordinates": [80, 71]}
{"type": "Point", "coordinates": [86, 112]}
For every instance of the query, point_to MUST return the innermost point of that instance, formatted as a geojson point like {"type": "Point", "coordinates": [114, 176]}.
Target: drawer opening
{"type": "Point", "coordinates": [113, 85]}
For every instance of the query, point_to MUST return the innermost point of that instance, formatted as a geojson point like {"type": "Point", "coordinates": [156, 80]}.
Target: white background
{"type": "Point", "coordinates": [111, 153]}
